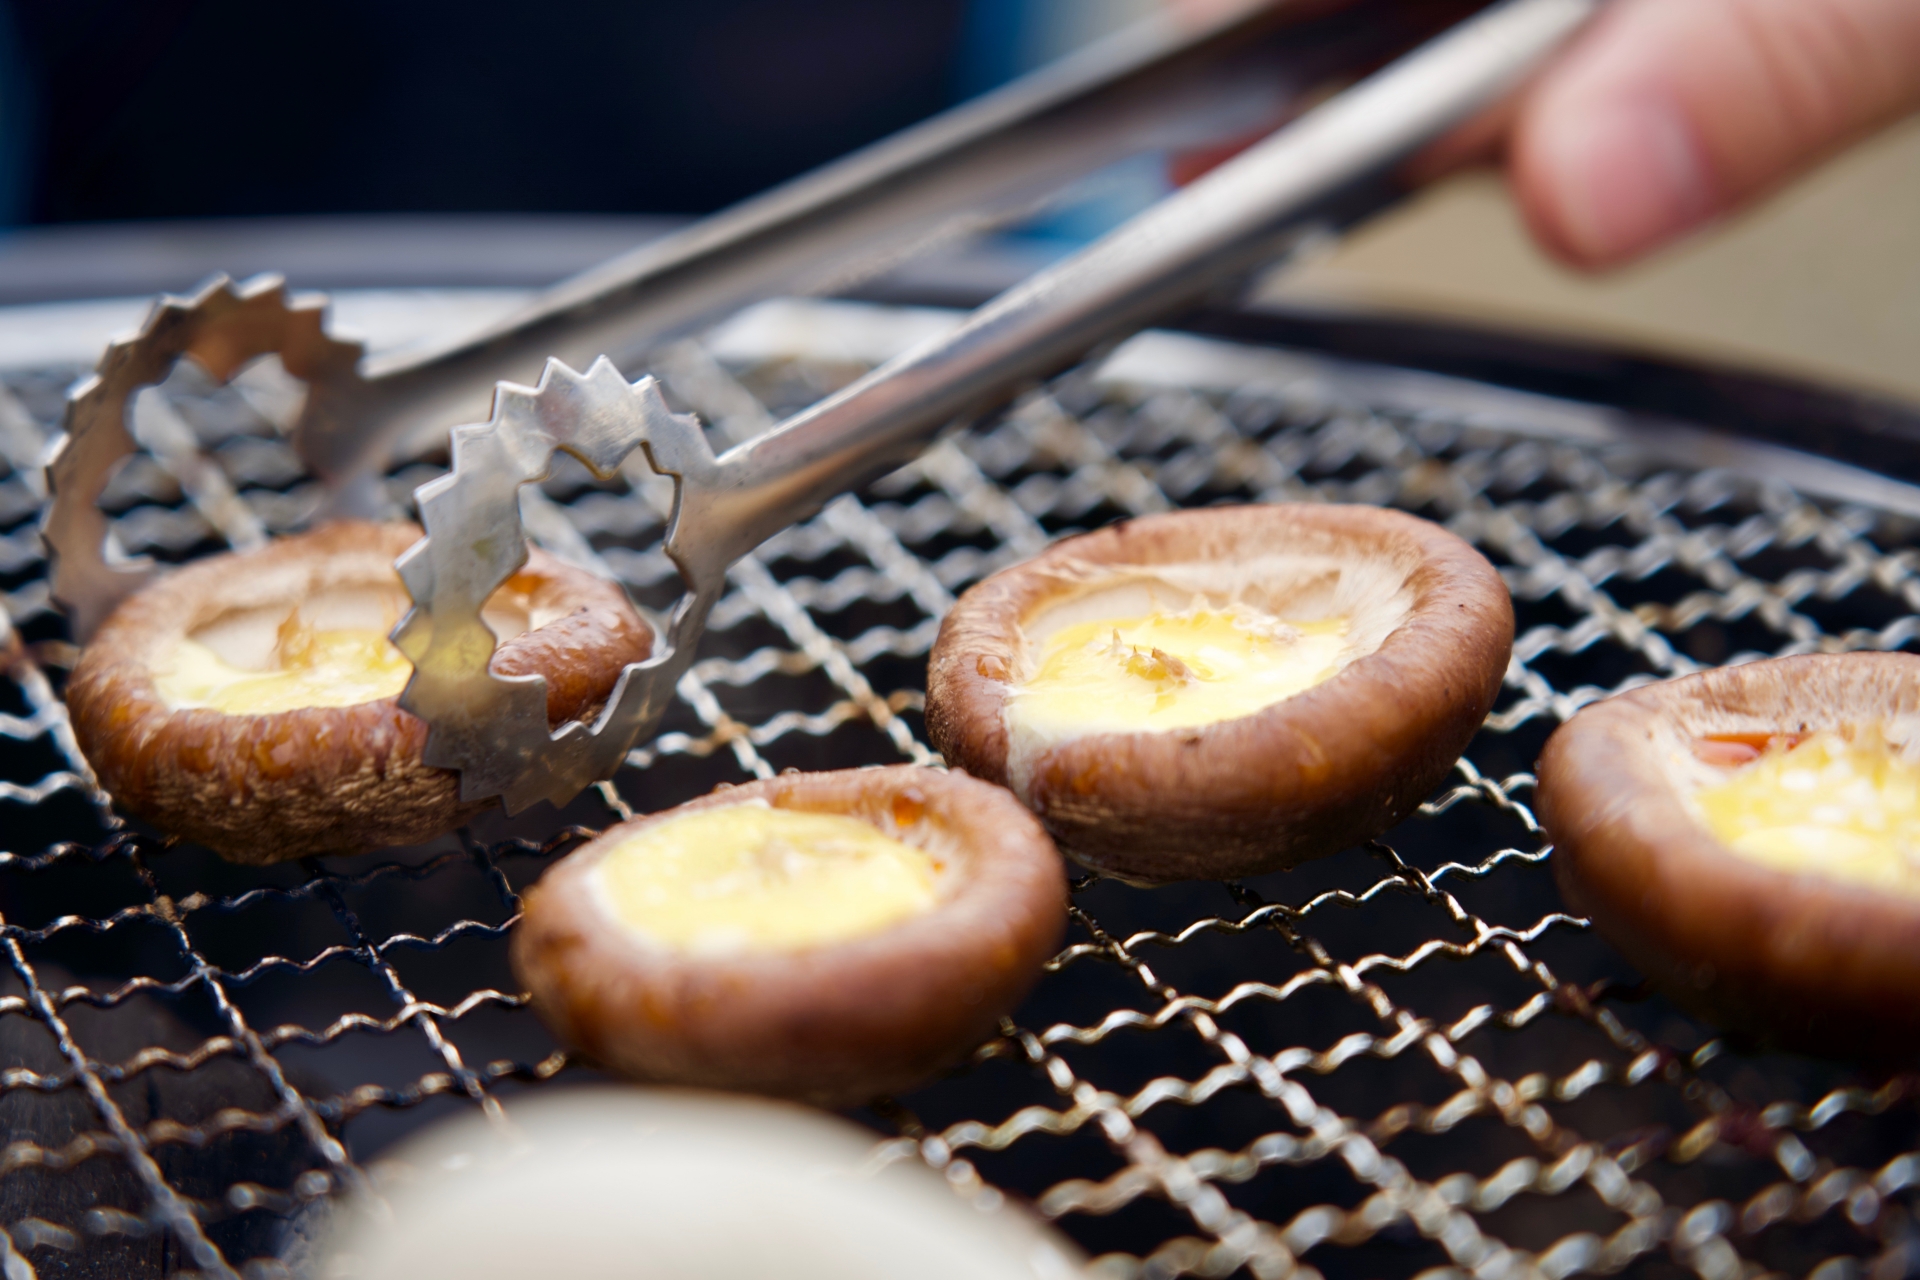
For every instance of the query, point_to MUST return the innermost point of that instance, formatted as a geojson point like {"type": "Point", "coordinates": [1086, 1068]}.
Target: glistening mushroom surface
{"type": "Point", "coordinates": [1226, 691]}
{"type": "Point", "coordinates": [823, 936]}
{"type": "Point", "coordinates": [750, 877]}
{"type": "Point", "coordinates": [1840, 802]}
{"type": "Point", "coordinates": [1810, 933]}
{"type": "Point", "coordinates": [247, 702]}
{"type": "Point", "coordinates": [1168, 668]}
{"type": "Point", "coordinates": [330, 651]}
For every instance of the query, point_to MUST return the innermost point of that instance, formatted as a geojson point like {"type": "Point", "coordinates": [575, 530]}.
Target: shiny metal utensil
{"type": "Point", "coordinates": [1164, 85]}
{"type": "Point", "coordinates": [1320, 172]}
{"type": "Point", "coordinates": [1170, 84]}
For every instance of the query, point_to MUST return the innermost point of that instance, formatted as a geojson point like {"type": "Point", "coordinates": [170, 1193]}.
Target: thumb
{"type": "Point", "coordinates": [1670, 112]}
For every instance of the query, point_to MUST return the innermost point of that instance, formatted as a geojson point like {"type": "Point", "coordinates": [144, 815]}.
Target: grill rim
{"type": "Point", "coordinates": [1740, 400]}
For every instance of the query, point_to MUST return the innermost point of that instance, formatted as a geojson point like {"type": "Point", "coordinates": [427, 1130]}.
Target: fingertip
{"type": "Point", "coordinates": [1540, 215]}
{"type": "Point", "coordinates": [1666, 114]}
{"type": "Point", "coordinates": [1606, 180]}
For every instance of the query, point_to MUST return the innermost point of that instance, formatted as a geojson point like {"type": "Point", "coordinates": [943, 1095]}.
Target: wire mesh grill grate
{"type": "Point", "coordinates": [1404, 1059]}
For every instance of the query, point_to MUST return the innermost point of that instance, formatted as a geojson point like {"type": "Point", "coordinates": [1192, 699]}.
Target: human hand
{"type": "Point", "coordinates": [1666, 114]}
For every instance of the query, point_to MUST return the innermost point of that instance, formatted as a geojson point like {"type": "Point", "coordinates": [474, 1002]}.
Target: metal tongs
{"type": "Point", "coordinates": [1318, 174]}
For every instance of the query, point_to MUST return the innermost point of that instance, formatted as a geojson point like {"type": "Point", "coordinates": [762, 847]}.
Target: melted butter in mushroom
{"type": "Point", "coordinates": [1173, 670]}
{"type": "Point", "coordinates": [1847, 807]}
{"type": "Point", "coordinates": [749, 877]}
{"type": "Point", "coordinates": [332, 668]}
{"type": "Point", "coordinates": [329, 651]}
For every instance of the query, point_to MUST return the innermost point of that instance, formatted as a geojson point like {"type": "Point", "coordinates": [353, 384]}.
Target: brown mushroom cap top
{"type": "Point", "coordinates": [833, 1023]}
{"type": "Point", "coordinates": [265, 787]}
{"type": "Point", "coordinates": [1813, 960]}
{"type": "Point", "coordinates": [1430, 629]}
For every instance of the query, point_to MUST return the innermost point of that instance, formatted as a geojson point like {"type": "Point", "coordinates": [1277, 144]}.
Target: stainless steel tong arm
{"type": "Point", "coordinates": [1168, 85]}
{"type": "Point", "coordinates": [1326, 167]}
{"type": "Point", "coordinates": [1332, 165]}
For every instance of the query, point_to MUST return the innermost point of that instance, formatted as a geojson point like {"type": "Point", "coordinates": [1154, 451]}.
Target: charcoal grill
{"type": "Point", "coordinates": [1407, 1059]}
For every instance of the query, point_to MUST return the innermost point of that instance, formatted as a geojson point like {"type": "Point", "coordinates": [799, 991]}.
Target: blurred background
{"type": "Point", "coordinates": [144, 143]}
{"type": "Point", "coordinates": [142, 109]}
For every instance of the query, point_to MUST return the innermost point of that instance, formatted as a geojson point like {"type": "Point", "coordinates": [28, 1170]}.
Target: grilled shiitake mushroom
{"type": "Point", "coordinates": [825, 936]}
{"type": "Point", "coordinates": [1750, 839]}
{"type": "Point", "coordinates": [1226, 691]}
{"type": "Point", "coordinates": [247, 702]}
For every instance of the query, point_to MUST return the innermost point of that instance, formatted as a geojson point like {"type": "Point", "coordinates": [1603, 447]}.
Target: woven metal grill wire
{"type": "Point", "coordinates": [1404, 1059]}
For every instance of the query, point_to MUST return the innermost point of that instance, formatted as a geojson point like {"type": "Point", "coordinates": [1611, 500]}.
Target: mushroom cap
{"type": "Point", "coordinates": [1807, 960]}
{"type": "Point", "coordinates": [833, 1024]}
{"type": "Point", "coordinates": [1431, 627]}
{"type": "Point", "coordinates": [317, 780]}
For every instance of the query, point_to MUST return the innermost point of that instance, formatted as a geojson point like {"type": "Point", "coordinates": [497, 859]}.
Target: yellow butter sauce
{"type": "Point", "coordinates": [1174, 670]}
{"type": "Point", "coordinates": [1842, 806]}
{"type": "Point", "coordinates": [749, 877]}
{"type": "Point", "coordinates": [313, 668]}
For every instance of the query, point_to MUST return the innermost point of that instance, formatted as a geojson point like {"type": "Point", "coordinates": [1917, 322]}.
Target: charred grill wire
{"type": "Point", "coordinates": [1405, 1058]}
